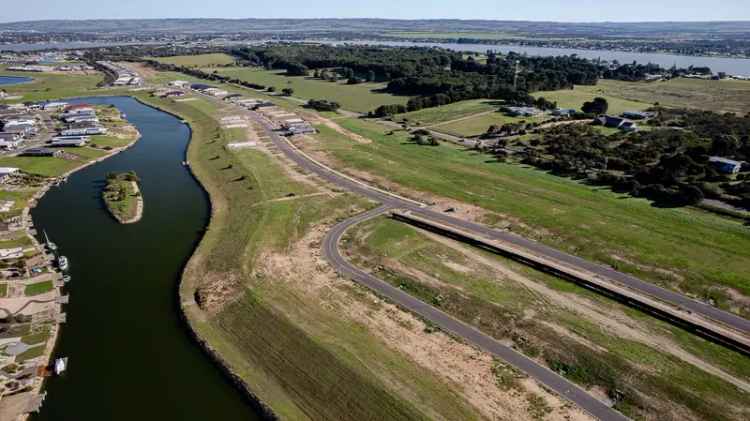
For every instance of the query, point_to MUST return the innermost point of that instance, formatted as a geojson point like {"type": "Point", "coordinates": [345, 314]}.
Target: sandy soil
{"type": "Point", "coordinates": [469, 370]}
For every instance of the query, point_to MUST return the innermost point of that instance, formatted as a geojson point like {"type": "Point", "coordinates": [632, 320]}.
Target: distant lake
{"type": "Point", "coordinates": [12, 80]}
{"type": "Point", "coordinates": [732, 66]}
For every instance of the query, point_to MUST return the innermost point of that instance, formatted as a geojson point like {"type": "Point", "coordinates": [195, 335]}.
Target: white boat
{"type": "Point", "coordinates": [62, 263]}
{"type": "Point", "coordinates": [60, 365]}
{"type": "Point", "coordinates": [66, 278]}
{"type": "Point", "coordinates": [50, 245]}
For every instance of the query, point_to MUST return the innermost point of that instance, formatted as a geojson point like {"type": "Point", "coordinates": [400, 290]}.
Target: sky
{"type": "Point", "coordinates": [547, 10]}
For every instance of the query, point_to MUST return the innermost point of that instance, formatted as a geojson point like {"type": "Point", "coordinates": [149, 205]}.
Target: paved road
{"type": "Point", "coordinates": [447, 323]}
{"type": "Point", "coordinates": [738, 323]}
{"type": "Point", "coordinates": [548, 378]}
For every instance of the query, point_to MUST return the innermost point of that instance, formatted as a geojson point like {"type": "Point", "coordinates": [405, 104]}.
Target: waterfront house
{"type": "Point", "coordinates": [42, 152]}
{"type": "Point", "coordinates": [725, 165]}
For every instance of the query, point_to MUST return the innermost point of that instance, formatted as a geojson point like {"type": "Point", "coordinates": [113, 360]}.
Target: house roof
{"type": "Point", "coordinates": [723, 160]}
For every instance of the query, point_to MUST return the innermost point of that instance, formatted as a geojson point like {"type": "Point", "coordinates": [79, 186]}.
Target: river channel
{"type": "Point", "coordinates": [130, 355]}
{"type": "Point", "coordinates": [13, 80]}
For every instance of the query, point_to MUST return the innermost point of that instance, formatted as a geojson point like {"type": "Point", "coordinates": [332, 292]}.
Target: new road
{"type": "Point", "coordinates": [711, 318]}
{"type": "Point", "coordinates": [447, 323]}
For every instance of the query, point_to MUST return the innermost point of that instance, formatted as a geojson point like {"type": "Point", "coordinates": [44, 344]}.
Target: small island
{"type": "Point", "coordinates": [123, 197]}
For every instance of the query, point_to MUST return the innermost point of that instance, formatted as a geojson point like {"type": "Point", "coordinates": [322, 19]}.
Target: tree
{"type": "Point", "coordinates": [371, 76]}
{"type": "Point", "coordinates": [287, 91]}
{"type": "Point", "coordinates": [598, 106]}
{"type": "Point", "coordinates": [271, 89]}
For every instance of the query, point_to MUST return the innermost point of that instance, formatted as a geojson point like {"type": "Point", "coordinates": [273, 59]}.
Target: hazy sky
{"type": "Point", "coordinates": [555, 10]}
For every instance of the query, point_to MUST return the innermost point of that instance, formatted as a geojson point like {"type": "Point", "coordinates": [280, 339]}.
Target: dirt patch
{"type": "Point", "coordinates": [469, 370]}
{"type": "Point", "coordinates": [217, 290]}
{"type": "Point", "coordinates": [144, 70]}
{"type": "Point", "coordinates": [340, 130]}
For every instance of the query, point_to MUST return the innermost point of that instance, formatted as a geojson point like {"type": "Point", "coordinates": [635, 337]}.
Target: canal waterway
{"type": "Point", "coordinates": [13, 80]}
{"type": "Point", "coordinates": [130, 355]}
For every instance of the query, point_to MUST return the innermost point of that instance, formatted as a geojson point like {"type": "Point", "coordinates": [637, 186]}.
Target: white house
{"type": "Point", "coordinates": [179, 83]}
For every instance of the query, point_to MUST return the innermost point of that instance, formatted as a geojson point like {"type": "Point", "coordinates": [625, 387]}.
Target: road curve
{"type": "Point", "coordinates": [471, 335]}
{"type": "Point", "coordinates": [541, 374]}
{"type": "Point", "coordinates": [676, 299]}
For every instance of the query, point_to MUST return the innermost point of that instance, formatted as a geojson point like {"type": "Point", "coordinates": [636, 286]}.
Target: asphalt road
{"type": "Point", "coordinates": [738, 323]}
{"type": "Point", "coordinates": [541, 374]}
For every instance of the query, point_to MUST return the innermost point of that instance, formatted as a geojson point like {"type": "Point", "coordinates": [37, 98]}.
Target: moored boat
{"type": "Point", "coordinates": [62, 263]}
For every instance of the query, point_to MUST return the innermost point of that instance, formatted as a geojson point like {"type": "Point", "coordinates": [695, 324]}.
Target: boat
{"type": "Point", "coordinates": [62, 263]}
{"type": "Point", "coordinates": [60, 365]}
{"type": "Point", "coordinates": [66, 278]}
{"type": "Point", "coordinates": [185, 163]}
{"type": "Point", "coordinates": [50, 245]}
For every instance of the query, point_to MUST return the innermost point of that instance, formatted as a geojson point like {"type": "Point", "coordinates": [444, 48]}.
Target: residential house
{"type": "Point", "coordinates": [725, 165]}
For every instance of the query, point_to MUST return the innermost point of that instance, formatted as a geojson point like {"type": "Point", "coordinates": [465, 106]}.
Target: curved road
{"type": "Point", "coordinates": [447, 323]}
{"type": "Point", "coordinates": [543, 375]}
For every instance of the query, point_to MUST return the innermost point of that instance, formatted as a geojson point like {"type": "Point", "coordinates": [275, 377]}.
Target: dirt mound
{"type": "Point", "coordinates": [218, 290]}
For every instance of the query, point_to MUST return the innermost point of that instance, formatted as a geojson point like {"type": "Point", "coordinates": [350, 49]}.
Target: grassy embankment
{"type": "Point", "coordinates": [50, 86]}
{"type": "Point", "coordinates": [647, 380]}
{"type": "Point", "coordinates": [359, 98]}
{"type": "Point", "coordinates": [300, 358]}
{"type": "Point", "coordinates": [683, 248]}
{"type": "Point", "coordinates": [121, 196]}
{"type": "Point", "coordinates": [200, 60]}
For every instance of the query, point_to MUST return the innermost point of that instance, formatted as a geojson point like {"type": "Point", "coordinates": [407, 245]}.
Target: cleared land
{"type": "Point", "coordinates": [53, 166]}
{"type": "Point", "coordinates": [200, 60]}
{"type": "Point", "coordinates": [574, 98]}
{"type": "Point", "coordinates": [591, 340]}
{"type": "Point", "coordinates": [360, 98]}
{"type": "Point", "coordinates": [684, 249]}
{"type": "Point", "coordinates": [477, 125]}
{"type": "Point", "coordinates": [273, 327]}
{"type": "Point", "coordinates": [712, 95]}
{"type": "Point", "coordinates": [51, 86]}
{"type": "Point", "coordinates": [450, 112]}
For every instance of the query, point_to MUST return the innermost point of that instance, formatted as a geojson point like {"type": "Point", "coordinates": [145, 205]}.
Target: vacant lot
{"type": "Point", "coordinates": [574, 98]}
{"type": "Point", "coordinates": [475, 126]}
{"type": "Point", "coordinates": [305, 361]}
{"type": "Point", "coordinates": [450, 112]}
{"type": "Point", "coordinates": [51, 166]}
{"type": "Point", "coordinates": [51, 86]}
{"type": "Point", "coordinates": [683, 248]}
{"type": "Point", "coordinates": [200, 60]}
{"type": "Point", "coordinates": [593, 338]}
{"type": "Point", "coordinates": [712, 95]}
{"type": "Point", "coordinates": [360, 98]}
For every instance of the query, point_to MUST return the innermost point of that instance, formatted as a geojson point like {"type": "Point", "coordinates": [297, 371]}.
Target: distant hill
{"type": "Point", "coordinates": [602, 29]}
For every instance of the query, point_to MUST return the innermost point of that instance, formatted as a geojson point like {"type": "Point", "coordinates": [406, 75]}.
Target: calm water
{"type": "Point", "coordinates": [12, 80]}
{"type": "Point", "coordinates": [733, 66]}
{"type": "Point", "coordinates": [130, 356]}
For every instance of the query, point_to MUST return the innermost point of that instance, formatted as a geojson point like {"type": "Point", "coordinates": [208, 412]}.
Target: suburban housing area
{"type": "Point", "coordinates": [373, 231]}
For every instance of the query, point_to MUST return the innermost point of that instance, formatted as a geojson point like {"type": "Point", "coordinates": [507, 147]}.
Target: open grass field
{"type": "Point", "coordinates": [52, 166]}
{"type": "Point", "coordinates": [304, 361]}
{"type": "Point", "coordinates": [683, 248]}
{"type": "Point", "coordinates": [38, 288]}
{"type": "Point", "coordinates": [713, 95]}
{"type": "Point", "coordinates": [574, 98]}
{"type": "Point", "coordinates": [360, 98]}
{"type": "Point", "coordinates": [499, 303]}
{"type": "Point", "coordinates": [51, 86]}
{"type": "Point", "coordinates": [446, 113]}
{"type": "Point", "coordinates": [477, 125]}
{"type": "Point", "coordinates": [200, 60]}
